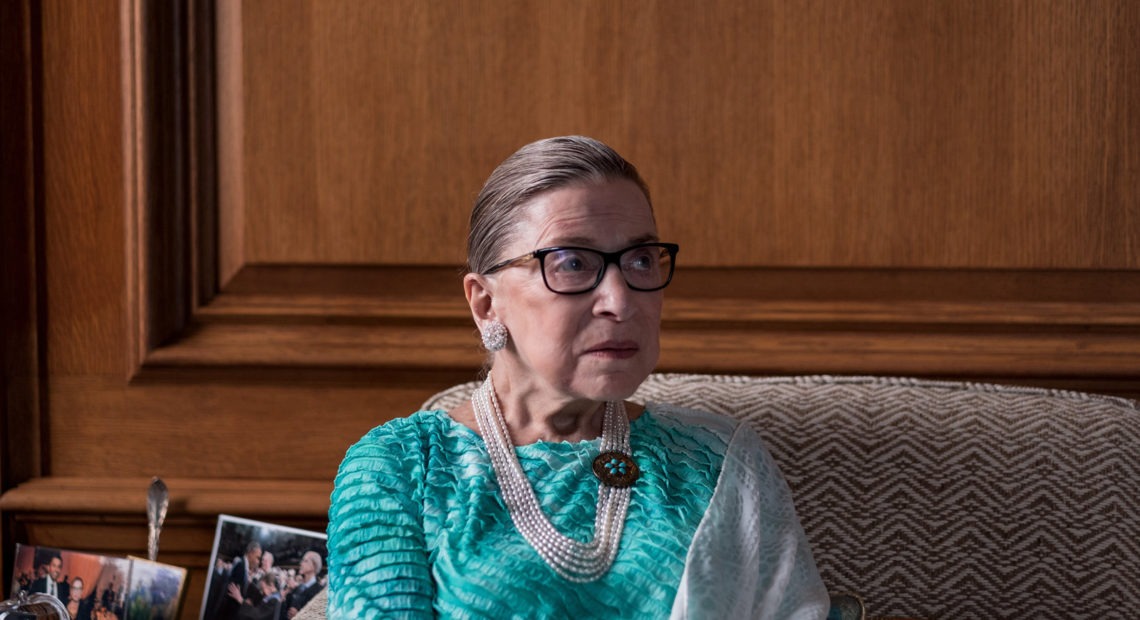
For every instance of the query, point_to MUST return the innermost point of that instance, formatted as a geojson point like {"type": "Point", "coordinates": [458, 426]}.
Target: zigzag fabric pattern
{"type": "Point", "coordinates": [946, 500]}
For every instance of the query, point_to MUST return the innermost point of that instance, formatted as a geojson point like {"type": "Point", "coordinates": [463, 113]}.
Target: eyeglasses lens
{"type": "Point", "coordinates": [576, 270]}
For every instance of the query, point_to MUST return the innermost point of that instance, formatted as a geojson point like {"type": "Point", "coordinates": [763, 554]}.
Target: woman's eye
{"type": "Point", "coordinates": [569, 262]}
{"type": "Point", "coordinates": [641, 261]}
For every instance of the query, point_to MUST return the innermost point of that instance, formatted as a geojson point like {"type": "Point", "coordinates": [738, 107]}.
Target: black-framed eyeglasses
{"type": "Point", "coordinates": [571, 270]}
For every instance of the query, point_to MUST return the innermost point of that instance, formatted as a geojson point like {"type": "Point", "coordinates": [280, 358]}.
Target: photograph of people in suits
{"type": "Point", "coordinates": [49, 567]}
{"type": "Point", "coordinates": [89, 585]}
{"type": "Point", "coordinates": [262, 571]}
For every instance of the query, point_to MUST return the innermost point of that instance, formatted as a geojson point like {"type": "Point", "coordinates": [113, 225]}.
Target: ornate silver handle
{"type": "Point", "coordinates": [157, 501]}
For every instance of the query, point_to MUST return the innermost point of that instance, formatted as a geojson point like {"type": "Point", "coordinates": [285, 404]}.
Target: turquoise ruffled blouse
{"type": "Point", "coordinates": [417, 526]}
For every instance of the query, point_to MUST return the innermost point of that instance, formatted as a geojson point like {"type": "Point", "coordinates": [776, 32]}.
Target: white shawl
{"type": "Point", "coordinates": [749, 557]}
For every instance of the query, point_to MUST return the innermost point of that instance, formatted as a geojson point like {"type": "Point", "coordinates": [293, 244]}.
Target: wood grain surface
{"type": "Point", "coordinates": [822, 134]}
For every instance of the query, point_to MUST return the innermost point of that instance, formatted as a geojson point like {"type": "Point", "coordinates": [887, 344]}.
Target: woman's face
{"type": "Point", "coordinates": [598, 345]}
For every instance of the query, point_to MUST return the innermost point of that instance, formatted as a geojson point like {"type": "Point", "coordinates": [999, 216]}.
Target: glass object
{"type": "Point", "coordinates": [25, 606]}
{"type": "Point", "coordinates": [574, 270]}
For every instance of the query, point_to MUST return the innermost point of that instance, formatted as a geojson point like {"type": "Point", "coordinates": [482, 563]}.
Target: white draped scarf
{"type": "Point", "coordinates": [749, 557]}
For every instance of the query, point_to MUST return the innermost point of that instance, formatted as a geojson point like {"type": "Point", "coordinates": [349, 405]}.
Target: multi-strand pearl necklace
{"type": "Point", "coordinates": [573, 560]}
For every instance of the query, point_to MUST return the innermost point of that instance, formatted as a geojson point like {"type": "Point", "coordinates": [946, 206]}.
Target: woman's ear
{"type": "Point", "coordinates": [477, 288]}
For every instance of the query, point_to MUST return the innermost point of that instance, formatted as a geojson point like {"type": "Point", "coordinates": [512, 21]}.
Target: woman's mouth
{"type": "Point", "coordinates": [614, 349]}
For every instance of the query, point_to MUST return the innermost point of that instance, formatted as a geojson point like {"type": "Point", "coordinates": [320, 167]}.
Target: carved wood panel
{"type": "Point", "coordinates": [348, 150]}
{"type": "Point", "coordinates": [774, 134]}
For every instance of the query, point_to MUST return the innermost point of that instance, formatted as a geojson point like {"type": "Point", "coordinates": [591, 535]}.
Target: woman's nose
{"type": "Point", "coordinates": [613, 293]}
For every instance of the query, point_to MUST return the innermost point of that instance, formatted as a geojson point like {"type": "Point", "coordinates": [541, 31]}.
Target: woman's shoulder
{"type": "Point", "coordinates": [419, 426]}
{"type": "Point", "coordinates": [400, 437]}
{"type": "Point", "coordinates": [686, 419]}
{"type": "Point", "coordinates": [393, 455]}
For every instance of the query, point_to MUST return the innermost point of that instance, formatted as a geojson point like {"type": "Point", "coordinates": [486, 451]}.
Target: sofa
{"type": "Point", "coordinates": [934, 499]}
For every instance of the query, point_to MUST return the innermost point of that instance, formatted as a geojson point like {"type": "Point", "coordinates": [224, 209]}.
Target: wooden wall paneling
{"type": "Point", "coordinates": [21, 338]}
{"type": "Point", "coordinates": [84, 189]}
{"type": "Point", "coordinates": [19, 244]}
{"type": "Point", "coordinates": [889, 135]}
{"type": "Point", "coordinates": [267, 315]}
{"type": "Point", "coordinates": [1078, 176]}
{"type": "Point", "coordinates": [912, 47]}
{"type": "Point", "coordinates": [933, 135]}
{"type": "Point", "coordinates": [79, 113]}
{"type": "Point", "coordinates": [229, 426]}
{"type": "Point", "coordinates": [203, 133]}
{"type": "Point", "coordinates": [282, 198]}
{"type": "Point", "coordinates": [409, 106]}
{"type": "Point", "coordinates": [242, 330]}
{"type": "Point", "coordinates": [1004, 324]}
{"type": "Point", "coordinates": [159, 93]}
{"type": "Point", "coordinates": [265, 320]}
{"type": "Point", "coordinates": [229, 201]}
{"type": "Point", "coordinates": [1118, 205]}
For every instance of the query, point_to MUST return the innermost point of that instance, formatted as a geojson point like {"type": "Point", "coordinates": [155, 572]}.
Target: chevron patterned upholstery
{"type": "Point", "coordinates": [947, 500]}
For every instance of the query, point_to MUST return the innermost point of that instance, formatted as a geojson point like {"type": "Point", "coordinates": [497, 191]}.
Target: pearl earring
{"type": "Point", "coordinates": [494, 336]}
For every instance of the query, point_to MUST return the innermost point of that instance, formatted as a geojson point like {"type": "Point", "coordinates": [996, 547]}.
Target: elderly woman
{"type": "Point", "coordinates": [547, 495]}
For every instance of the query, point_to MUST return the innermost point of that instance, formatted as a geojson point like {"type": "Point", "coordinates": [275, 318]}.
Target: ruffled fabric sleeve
{"type": "Point", "coordinates": [378, 563]}
{"type": "Point", "coordinates": [749, 557]}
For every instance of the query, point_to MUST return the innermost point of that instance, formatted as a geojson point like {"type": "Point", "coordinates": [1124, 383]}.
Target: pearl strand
{"type": "Point", "coordinates": [573, 560]}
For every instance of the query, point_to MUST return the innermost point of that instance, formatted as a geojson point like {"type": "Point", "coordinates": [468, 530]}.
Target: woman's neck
{"type": "Point", "coordinates": [527, 427]}
{"type": "Point", "coordinates": [531, 418]}
{"type": "Point", "coordinates": [576, 423]}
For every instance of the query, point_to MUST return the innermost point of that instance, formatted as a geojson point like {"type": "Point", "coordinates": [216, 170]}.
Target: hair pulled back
{"type": "Point", "coordinates": [536, 168]}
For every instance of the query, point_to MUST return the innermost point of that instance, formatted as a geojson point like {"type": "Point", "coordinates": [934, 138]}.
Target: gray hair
{"type": "Point", "coordinates": [316, 557]}
{"type": "Point", "coordinates": [538, 167]}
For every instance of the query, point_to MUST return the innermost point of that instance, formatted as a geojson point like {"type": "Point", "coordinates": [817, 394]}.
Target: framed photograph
{"type": "Point", "coordinates": [100, 587]}
{"type": "Point", "coordinates": [155, 591]}
{"type": "Point", "coordinates": [262, 571]}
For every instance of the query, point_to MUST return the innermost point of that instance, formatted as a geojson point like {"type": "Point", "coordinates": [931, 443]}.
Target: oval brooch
{"type": "Point", "coordinates": [616, 469]}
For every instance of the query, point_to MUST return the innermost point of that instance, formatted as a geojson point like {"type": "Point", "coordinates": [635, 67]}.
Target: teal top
{"type": "Point", "coordinates": [417, 525]}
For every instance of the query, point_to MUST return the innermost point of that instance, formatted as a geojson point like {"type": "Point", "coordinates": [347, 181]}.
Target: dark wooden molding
{"type": "Point", "coordinates": [171, 186]}
{"type": "Point", "coordinates": [21, 238]}
{"type": "Point", "coordinates": [20, 246]}
{"type": "Point", "coordinates": [361, 319]}
{"type": "Point", "coordinates": [203, 190]}
{"type": "Point", "coordinates": [190, 497]}
{"type": "Point", "coordinates": [1000, 325]}
{"type": "Point", "coordinates": [22, 307]}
